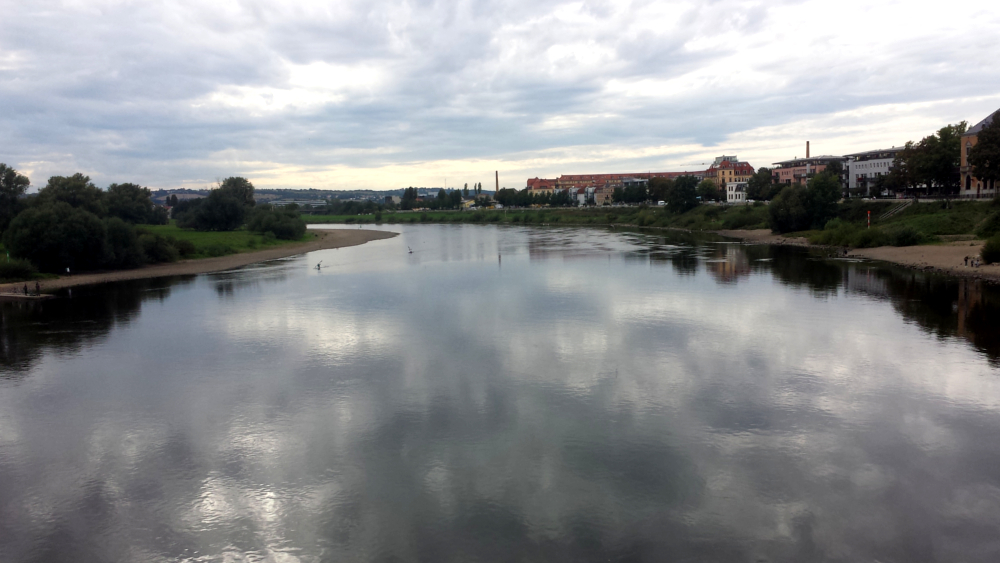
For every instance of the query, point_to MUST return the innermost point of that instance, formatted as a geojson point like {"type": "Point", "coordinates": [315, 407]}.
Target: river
{"type": "Point", "coordinates": [485, 393]}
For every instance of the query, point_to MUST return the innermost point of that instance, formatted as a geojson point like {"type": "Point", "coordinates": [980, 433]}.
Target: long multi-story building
{"type": "Point", "coordinates": [567, 181]}
{"type": "Point", "coordinates": [799, 170]}
{"type": "Point", "coordinates": [971, 186]}
{"type": "Point", "coordinates": [864, 169]}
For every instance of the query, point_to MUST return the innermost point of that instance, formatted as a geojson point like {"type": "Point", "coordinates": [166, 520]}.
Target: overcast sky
{"type": "Point", "coordinates": [387, 94]}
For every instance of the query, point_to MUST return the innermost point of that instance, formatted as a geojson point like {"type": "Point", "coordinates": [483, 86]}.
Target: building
{"type": "Point", "coordinates": [604, 195]}
{"type": "Point", "coordinates": [799, 170]}
{"type": "Point", "coordinates": [864, 169]}
{"type": "Point", "coordinates": [728, 169]}
{"type": "Point", "coordinates": [971, 186]}
{"type": "Point", "coordinates": [736, 192]}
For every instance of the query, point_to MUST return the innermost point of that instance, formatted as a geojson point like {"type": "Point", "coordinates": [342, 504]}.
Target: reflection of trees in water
{"type": "Point", "coordinates": [228, 283]}
{"type": "Point", "coordinates": [947, 307]}
{"type": "Point", "coordinates": [67, 324]}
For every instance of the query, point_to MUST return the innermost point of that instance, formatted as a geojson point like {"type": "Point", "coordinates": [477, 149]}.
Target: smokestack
{"type": "Point", "coordinates": [498, 184]}
{"type": "Point", "coordinates": [807, 149]}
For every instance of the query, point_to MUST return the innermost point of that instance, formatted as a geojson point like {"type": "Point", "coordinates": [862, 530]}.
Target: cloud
{"type": "Point", "coordinates": [389, 94]}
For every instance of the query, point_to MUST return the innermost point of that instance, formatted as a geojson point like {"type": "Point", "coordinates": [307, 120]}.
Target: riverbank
{"type": "Point", "coordinates": [947, 258]}
{"type": "Point", "coordinates": [326, 238]}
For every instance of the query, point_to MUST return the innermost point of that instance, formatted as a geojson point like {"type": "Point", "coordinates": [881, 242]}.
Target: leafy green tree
{"type": "Point", "coordinates": [220, 211]}
{"type": "Point", "coordinates": [618, 195]}
{"type": "Point", "coordinates": [933, 162]}
{"type": "Point", "coordinates": [683, 194]}
{"type": "Point", "coordinates": [286, 224]}
{"type": "Point", "coordinates": [77, 191]}
{"type": "Point", "coordinates": [132, 203]}
{"type": "Point", "coordinates": [789, 210]}
{"type": "Point", "coordinates": [455, 199]}
{"type": "Point", "coordinates": [122, 247]}
{"type": "Point", "coordinates": [708, 191]}
{"type": "Point", "coordinates": [984, 158]}
{"type": "Point", "coordinates": [760, 186]}
{"type": "Point", "coordinates": [658, 188]}
{"type": "Point", "coordinates": [239, 188]}
{"type": "Point", "coordinates": [465, 190]}
{"type": "Point", "coordinates": [55, 236]}
{"type": "Point", "coordinates": [823, 191]}
{"type": "Point", "coordinates": [13, 186]}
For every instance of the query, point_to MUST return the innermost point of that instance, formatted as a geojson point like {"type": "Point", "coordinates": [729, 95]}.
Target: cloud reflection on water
{"type": "Point", "coordinates": [656, 397]}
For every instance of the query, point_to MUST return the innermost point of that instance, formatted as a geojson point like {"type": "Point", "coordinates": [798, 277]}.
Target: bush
{"type": "Point", "coordinates": [185, 248]}
{"type": "Point", "coordinates": [904, 236]}
{"type": "Point", "coordinates": [378, 216]}
{"type": "Point", "coordinates": [17, 270]}
{"type": "Point", "coordinates": [268, 238]}
{"type": "Point", "coordinates": [216, 250]}
{"type": "Point", "coordinates": [158, 248]}
{"type": "Point", "coordinates": [991, 250]}
{"type": "Point", "coordinates": [990, 226]}
{"type": "Point", "coordinates": [285, 224]}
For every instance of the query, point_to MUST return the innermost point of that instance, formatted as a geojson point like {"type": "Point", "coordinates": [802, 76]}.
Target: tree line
{"type": "Point", "coordinates": [71, 224]}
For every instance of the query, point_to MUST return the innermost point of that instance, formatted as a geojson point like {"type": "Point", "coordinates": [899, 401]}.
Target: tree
{"type": "Point", "coordinates": [465, 190]}
{"type": "Point", "coordinates": [56, 236]}
{"type": "Point", "coordinates": [683, 194]}
{"type": "Point", "coordinates": [13, 186]}
{"type": "Point", "coordinates": [172, 200]}
{"type": "Point", "coordinates": [239, 188]}
{"type": "Point", "coordinates": [618, 195]}
{"type": "Point", "coordinates": [220, 211]}
{"type": "Point", "coordinates": [658, 188]}
{"type": "Point", "coordinates": [984, 158]}
{"type": "Point", "coordinates": [823, 191]}
{"type": "Point", "coordinates": [77, 191]}
{"type": "Point", "coordinates": [932, 162]}
{"type": "Point", "coordinates": [286, 224]}
{"type": "Point", "coordinates": [789, 210]}
{"type": "Point", "coordinates": [760, 186]}
{"type": "Point", "coordinates": [708, 191]}
{"type": "Point", "coordinates": [131, 203]}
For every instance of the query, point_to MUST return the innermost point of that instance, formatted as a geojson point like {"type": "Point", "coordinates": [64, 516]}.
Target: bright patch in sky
{"type": "Point", "coordinates": [384, 95]}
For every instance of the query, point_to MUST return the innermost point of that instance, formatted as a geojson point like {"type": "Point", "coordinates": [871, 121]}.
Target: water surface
{"type": "Point", "coordinates": [507, 394]}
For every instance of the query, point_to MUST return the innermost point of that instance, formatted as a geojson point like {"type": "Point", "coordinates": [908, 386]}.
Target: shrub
{"type": "Point", "coordinates": [268, 238]}
{"type": "Point", "coordinates": [378, 216]}
{"type": "Point", "coordinates": [215, 250]}
{"type": "Point", "coordinates": [158, 248]}
{"type": "Point", "coordinates": [185, 248]}
{"type": "Point", "coordinates": [285, 224]}
{"type": "Point", "coordinates": [991, 250]}
{"type": "Point", "coordinates": [904, 236]}
{"type": "Point", "coordinates": [869, 238]}
{"type": "Point", "coordinates": [989, 226]}
{"type": "Point", "coordinates": [16, 269]}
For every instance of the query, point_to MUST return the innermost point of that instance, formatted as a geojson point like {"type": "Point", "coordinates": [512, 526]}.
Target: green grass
{"type": "Point", "coordinates": [213, 243]}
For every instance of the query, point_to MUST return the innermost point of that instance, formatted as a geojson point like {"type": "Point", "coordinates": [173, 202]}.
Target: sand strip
{"type": "Point", "coordinates": [326, 238]}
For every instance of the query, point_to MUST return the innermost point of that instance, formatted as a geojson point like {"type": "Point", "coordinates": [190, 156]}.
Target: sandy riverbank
{"type": "Point", "coordinates": [948, 258]}
{"type": "Point", "coordinates": [327, 238]}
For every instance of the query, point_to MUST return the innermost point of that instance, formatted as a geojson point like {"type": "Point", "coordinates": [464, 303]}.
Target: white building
{"type": "Point", "coordinates": [736, 192]}
{"type": "Point", "coordinates": [864, 168]}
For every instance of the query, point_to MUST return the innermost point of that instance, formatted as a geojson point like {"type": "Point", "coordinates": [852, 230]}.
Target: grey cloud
{"type": "Point", "coordinates": [110, 89]}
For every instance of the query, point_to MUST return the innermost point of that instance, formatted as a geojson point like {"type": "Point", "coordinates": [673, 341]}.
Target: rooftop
{"type": "Point", "coordinates": [979, 126]}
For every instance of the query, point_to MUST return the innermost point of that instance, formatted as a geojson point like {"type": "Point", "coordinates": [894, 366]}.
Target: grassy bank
{"type": "Point", "coordinates": [210, 244]}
